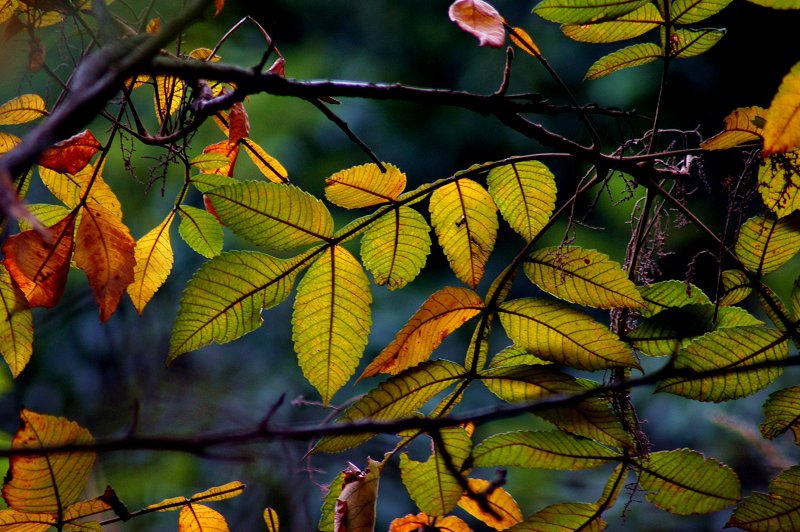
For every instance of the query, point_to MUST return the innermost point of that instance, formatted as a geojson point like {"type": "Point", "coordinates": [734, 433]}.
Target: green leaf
{"type": "Point", "coordinates": [205, 182]}
{"type": "Point", "coordinates": [633, 24]}
{"type": "Point", "coordinates": [154, 259]}
{"type": "Point", "coordinates": [685, 482]}
{"type": "Point", "coordinates": [331, 320]}
{"type": "Point", "coordinates": [209, 161]}
{"type": "Point", "coordinates": [735, 287]}
{"type": "Point", "coordinates": [525, 194]}
{"type": "Point", "coordinates": [49, 215]}
{"type": "Point", "coordinates": [669, 294]}
{"type": "Point", "coordinates": [328, 511]}
{"type": "Point", "coordinates": [515, 356]}
{"type": "Point", "coordinates": [562, 517]}
{"type": "Point", "coordinates": [558, 333]}
{"type": "Point", "coordinates": [778, 4]}
{"type": "Point", "coordinates": [395, 247]}
{"type": "Point", "coordinates": [272, 215]}
{"type": "Point", "coordinates": [582, 276]}
{"type": "Point", "coordinates": [16, 325]}
{"type": "Point", "coordinates": [630, 56]}
{"type": "Point", "coordinates": [777, 510]}
{"type": "Point", "coordinates": [364, 186]}
{"type": "Point", "coordinates": [766, 244]}
{"type": "Point", "coordinates": [541, 450]}
{"type": "Point", "coordinates": [691, 11]}
{"type": "Point", "coordinates": [691, 43]}
{"type": "Point", "coordinates": [224, 299]}
{"type": "Point", "coordinates": [201, 230]}
{"type": "Point", "coordinates": [585, 11]}
{"type": "Point", "coordinates": [727, 353]}
{"type": "Point", "coordinates": [779, 182]}
{"type": "Point", "coordinates": [782, 413]}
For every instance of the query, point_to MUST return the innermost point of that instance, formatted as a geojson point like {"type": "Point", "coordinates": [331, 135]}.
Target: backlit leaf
{"type": "Point", "coordinates": [777, 510]}
{"type": "Point", "coordinates": [735, 287]}
{"type": "Point", "coordinates": [507, 512]}
{"type": "Point", "coordinates": [355, 505]}
{"type": "Point", "coordinates": [441, 314]}
{"type": "Point", "coordinates": [271, 215]}
{"type": "Point", "coordinates": [525, 193]}
{"type": "Point", "coordinates": [201, 230]}
{"type": "Point", "coordinates": [22, 109]}
{"type": "Point", "coordinates": [782, 413]}
{"type": "Point", "coordinates": [779, 182]}
{"type": "Point", "coordinates": [224, 298]}
{"type": "Point", "coordinates": [224, 151]}
{"type": "Point", "coordinates": [16, 325]}
{"type": "Point", "coordinates": [745, 124]}
{"type": "Point", "coordinates": [685, 482]}
{"type": "Point", "coordinates": [515, 356]}
{"type": "Point", "coordinates": [481, 20]}
{"type": "Point", "coordinates": [669, 294]}
{"type": "Point", "coordinates": [582, 276]}
{"type": "Point", "coordinates": [83, 509]}
{"type": "Point", "coordinates": [585, 11]}
{"type": "Point", "coordinates": [154, 259]}
{"type": "Point", "coordinates": [728, 351]}
{"type": "Point", "coordinates": [331, 320]}
{"type": "Point", "coordinates": [14, 521]}
{"type": "Point", "coordinates": [47, 483]}
{"type": "Point", "coordinates": [395, 247]}
{"type": "Point", "coordinates": [691, 11]}
{"type": "Point", "coordinates": [541, 450]}
{"type": "Point", "coordinates": [201, 518]}
{"type": "Point", "coordinates": [46, 214]}
{"type": "Point", "coordinates": [327, 513]}
{"type": "Point", "coordinates": [8, 141]}
{"type": "Point", "coordinates": [364, 186]}
{"type": "Point", "coordinates": [70, 188]}
{"type": "Point", "coordinates": [209, 161]}
{"type": "Point", "coordinates": [524, 41]}
{"type": "Point", "coordinates": [168, 96]}
{"type": "Point", "coordinates": [238, 123]}
{"type": "Point", "coordinates": [782, 130]}
{"type": "Point", "coordinates": [7, 9]}
{"type": "Point", "coordinates": [267, 164]}
{"type": "Point", "coordinates": [272, 520]}
{"type": "Point", "coordinates": [561, 334]}
{"type": "Point", "coordinates": [636, 23]}
{"type": "Point", "coordinates": [562, 517]}
{"type": "Point", "coordinates": [778, 4]}
{"type": "Point", "coordinates": [765, 244]}
{"type": "Point", "coordinates": [71, 155]}
{"type": "Point", "coordinates": [463, 215]}
{"type": "Point", "coordinates": [691, 43]}
{"type": "Point", "coordinates": [422, 521]}
{"type": "Point", "coordinates": [220, 493]}
{"type": "Point", "coordinates": [630, 56]}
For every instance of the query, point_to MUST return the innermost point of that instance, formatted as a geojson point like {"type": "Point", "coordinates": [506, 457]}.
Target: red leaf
{"type": "Point", "coordinates": [39, 267]}
{"type": "Point", "coordinates": [238, 124]}
{"type": "Point", "coordinates": [479, 19]}
{"type": "Point", "coordinates": [71, 155]}
{"type": "Point", "coordinates": [278, 67]}
{"type": "Point", "coordinates": [218, 5]}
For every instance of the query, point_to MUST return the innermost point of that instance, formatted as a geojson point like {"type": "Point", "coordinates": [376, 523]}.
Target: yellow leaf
{"type": "Point", "coordinates": [70, 188]}
{"type": "Point", "coordinates": [168, 96]}
{"type": "Point", "coordinates": [204, 54]}
{"type": "Point", "coordinates": [16, 325]}
{"type": "Point", "coordinates": [500, 501]}
{"type": "Point", "coordinates": [364, 186]}
{"type": "Point", "coordinates": [765, 244]}
{"type": "Point", "coordinates": [271, 519]}
{"type": "Point", "coordinates": [88, 508]}
{"type": "Point", "coordinates": [154, 259]}
{"type": "Point", "coordinates": [524, 42]}
{"type": "Point", "coordinates": [782, 130]}
{"type": "Point", "coordinates": [220, 493]}
{"type": "Point", "coordinates": [464, 217]}
{"type": "Point", "coordinates": [525, 193]}
{"type": "Point", "coordinates": [479, 19]}
{"type": "Point", "coordinates": [201, 518]}
{"type": "Point", "coordinates": [395, 247]}
{"type": "Point", "coordinates": [422, 521]}
{"type": "Point", "coordinates": [22, 109]}
{"type": "Point", "coordinates": [47, 483]}
{"type": "Point", "coordinates": [355, 505]}
{"type": "Point", "coordinates": [779, 182]}
{"type": "Point", "coordinates": [7, 142]}
{"type": "Point", "coordinates": [14, 521]}
{"type": "Point", "coordinates": [633, 24]}
{"type": "Point", "coordinates": [441, 314]}
{"type": "Point", "coordinates": [168, 505]}
{"type": "Point", "coordinates": [267, 164]}
{"type": "Point", "coordinates": [745, 124]}
{"type": "Point", "coordinates": [7, 9]}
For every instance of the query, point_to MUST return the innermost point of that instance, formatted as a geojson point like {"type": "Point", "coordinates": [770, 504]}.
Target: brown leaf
{"type": "Point", "coordinates": [422, 521]}
{"type": "Point", "coordinates": [71, 155]}
{"type": "Point", "coordinates": [239, 124]}
{"type": "Point", "coordinates": [480, 19]}
{"type": "Point", "coordinates": [36, 55]}
{"type": "Point", "coordinates": [355, 506]}
{"type": "Point", "coordinates": [278, 67]}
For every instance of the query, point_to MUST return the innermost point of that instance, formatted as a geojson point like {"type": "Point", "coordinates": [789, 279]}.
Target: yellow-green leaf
{"type": "Point", "coordinates": [209, 161]}
{"type": "Point", "coordinates": [223, 300]}
{"type": "Point", "coordinates": [782, 413]}
{"type": "Point", "coordinates": [691, 11]}
{"type": "Point", "coordinates": [585, 11]}
{"type": "Point", "coordinates": [47, 214]}
{"type": "Point", "coordinates": [582, 276]}
{"type": "Point", "coordinates": [154, 259]}
{"type": "Point", "coordinates": [691, 43]}
{"type": "Point", "coordinates": [765, 244]}
{"type": "Point", "coordinates": [441, 314]}
{"type": "Point", "coordinates": [735, 287]}
{"type": "Point", "coordinates": [636, 23]}
{"type": "Point", "coordinates": [541, 450]}
{"type": "Point", "coordinates": [395, 247]}
{"type": "Point", "coordinates": [168, 96]}
{"type": "Point", "coordinates": [515, 356]}
{"type": "Point", "coordinates": [70, 188]}
{"type": "Point", "coordinates": [777, 510]}
{"type": "Point", "coordinates": [779, 182]}
{"type": "Point", "coordinates": [272, 520]}
{"type": "Point", "coordinates": [464, 217]}
{"type": "Point", "coordinates": [364, 186]}
{"type": "Point", "coordinates": [14, 521]}
{"type": "Point", "coordinates": [83, 509]}
{"type": "Point", "coordinates": [745, 124]}
{"type": "Point", "coordinates": [563, 517]}
{"type": "Point", "coordinates": [201, 518]}
{"type": "Point", "coordinates": [22, 109]}
{"type": "Point", "coordinates": [201, 230]}
{"type": "Point", "coordinates": [16, 325]}
{"type": "Point", "coordinates": [328, 511]}
{"type": "Point", "coordinates": [561, 334]}
{"type": "Point", "coordinates": [505, 508]}
{"type": "Point", "coordinates": [796, 299]}
{"type": "Point", "coordinates": [669, 294]}
{"type": "Point", "coordinates": [268, 165]}
{"type": "Point", "coordinates": [331, 320]}
{"type": "Point", "coordinates": [782, 130]}
{"type": "Point", "coordinates": [525, 194]}
{"type": "Point", "coordinates": [778, 4]}
{"type": "Point", "coordinates": [685, 482]}
{"type": "Point", "coordinates": [271, 215]}
{"type": "Point", "coordinates": [630, 56]}
{"type": "Point", "coordinates": [220, 493]}
{"type": "Point", "coordinates": [205, 182]}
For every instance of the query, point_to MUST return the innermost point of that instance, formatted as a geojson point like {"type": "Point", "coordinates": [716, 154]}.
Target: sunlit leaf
{"type": "Point", "coordinates": [463, 215]}
{"type": "Point", "coordinates": [154, 259]}
{"type": "Point", "coordinates": [541, 450]}
{"type": "Point", "coordinates": [220, 493]}
{"type": "Point", "coordinates": [779, 182]}
{"type": "Point", "coordinates": [328, 511]}
{"type": "Point", "coordinates": [614, 486]}
{"type": "Point", "coordinates": [515, 356]}
{"type": "Point", "coordinates": [201, 518]}
{"type": "Point", "coordinates": [22, 109]}
{"type": "Point", "coordinates": [7, 9]}
{"type": "Point", "coordinates": [782, 130]}
{"type": "Point", "coordinates": [71, 188]}
{"type": "Point", "coordinates": [45, 213]}
{"type": "Point", "coordinates": [16, 325]}
{"type": "Point", "coordinates": [505, 508]}
{"type": "Point", "coordinates": [691, 11]}
{"type": "Point", "coordinates": [525, 194]}
{"type": "Point", "coordinates": [685, 482]}
{"type": "Point", "coordinates": [168, 96]}
{"type": "Point", "coordinates": [271, 519]}
{"type": "Point", "coordinates": [14, 521]}
{"type": "Point", "coordinates": [691, 43]}
{"type": "Point", "coordinates": [735, 287]}
{"type": "Point", "coordinates": [670, 294]}
{"type": "Point", "coordinates": [481, 20]}
{"type": "Point", "coordinates": [238, 123]}
{"type": "Point", "coordinates": [636, 23]}
{"type": "Point", "coordinates": [524, 41]}
{"type": "Point", "coordinates": [201, 230]}
{"type": "Point", "coordinates": [441, 314]}
{"type": "Point", "coordinates": [209, 161]}
{"type": "Point", "coordinates": [271, 215]}
{"type": "Point", "coordinates": [562, 517]}
{"type": "Point", "coordinates": [745, 124]}
{"type": "Point", "coordinates": [71, 155]}
{"type": "Point", "coordinates": [224, 151]}
{"type": "Point", "coordinates": [7, 142]}
{"type": "Point", "coordinates": [777, 510]}
{"type": "Point", "coordinates": [364, 186]}
{"type": "Point", "coordinates": [582, 276]}
{"type": "Point", "coordinates": [782, 413]}
{"type": "Point", "coordinates": [630, 56]}
{"type": "Point", "coordinates": [47, 483]}
{"type": "Point", "coordinates": [331, 320]}
{"type": "Point", "coordinates": [83, 509]}
{"type": "Point", "coordinates": [585, 11]}
{"type": "Point", "coordinates": [422, 521]}
{"type": "Point", "coordinates": [395, 247]}
{"type": "Point", "coordinates": [355, 505]}
{"type": "Point", "coordinates": [778, 4]}
{"type": "Point", "coordinates": [224, 298]}
{"type": "Point", "coordinates": [267, 164]}
{"type": "Point", "coordinates": [204, 54]}
{"type": "Point", "coordinates": [766, 244]}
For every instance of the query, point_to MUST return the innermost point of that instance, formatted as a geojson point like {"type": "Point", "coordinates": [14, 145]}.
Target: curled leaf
{"type": "Point", "coordinates": [481, 20]}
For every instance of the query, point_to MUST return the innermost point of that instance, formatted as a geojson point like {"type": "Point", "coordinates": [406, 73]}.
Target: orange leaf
{"type": "Point", "coordinates": [239, 124]}
{"type": "Point", "coordinates": [218, 5]}
{"type": "Point", "coordinates": [104, 249]}
{"type": "Point", "coordinates": [39, 268]}
{"type": "Point", "coordinates": [269, 166]}
{"type": "Point", "coordinates": [229, 150]}
{"type": "Point", "coordinates": [412, 523]}
{"type": "Point", "coordinates": [71, 155]}
{"type": "Point", "coordinates": [521, 38]}
{"type": "Point", "coordinates": [480, 19]}
{"type": "Point", "coordinates": [504, 506]}
{"type": "Point", "coordinates": [201, 518]}
{"type": "Point", "coordinates": [782, 130]}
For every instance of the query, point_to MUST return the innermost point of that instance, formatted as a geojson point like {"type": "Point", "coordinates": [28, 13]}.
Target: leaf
{"type": "Point", "coordinates": [691, 11]}
{"type": "Point", "coordinates": [82, 509]}
{"type": "Point", "coordinates": [735, 287]}
{"type": "Point", "coordinates": [395, 247]}
{"type": "Point", "coordinates": [209, 161]}
{"type": "Point", "coordinates": [582, 276]}
{"type": "Point", "coordinates": [779, 183]}
{"type": "Point", "coordinates": [728, 353]}
{"type": "Point", "coordinates": [47, 483]}
{"type": "Point", "coordinates": [555, 332]}
{"type": "Point", "coordinates": [168, 96]}
{"type": "Point", "coordinates": [267, 164]}
{"type": "Point", "coordinates": [481, 20]}
{"type": "Point", "coordinates": [441, 314]}
{"type": "Point", "coordinates": [422, 521]}
{"type": "Point", "coordinates": [71, 155]}
{"type": "Point", "coordinates": [329, 503]}
{"type": "Point", "coordinates": [585, 11]}
{"type": "Point", "coordinates": [16, 325]}
{"type": "Point", "coordinates": [633, 24]}
{"type": "Point", "coordinates": [364, 186]}
{"type": "Point", "coordinates": [201, 230]}
{"type": "Point", "coordinates": [7, 10]}
{"type": "Point", "coordinates": [525, 193]}
{"type": "Point", "coordinates": [238, 123]}
{"type": "Point", "coordinates": [14, 521]}
{"type": "Point", "coordinates": [562, 517]}
{"type": "Point", "coordinates": [154, 258]}
{"type": "Point", "coordinates": [782, 130]}
{"type": "Point", "coordinates": [271, 519]}
{"type": "Point", "coordinates": [463, 216]}
{"type": "Point", "coordinates": [507, 512]}
{"type": "Point", "coordinates": [220, 493]}
{"type": "Point", "coordinates": [684, 482]}
{"type": "Point", "coordinates": [7, 142]}
{"type": "Point", "coordinates": [226, 152]}
{"type": "Point", "coordinates": [541, 450]}
{"type": "Point", "coordinates": [515, 356]}
{"type": "Point", "coordinates": [524, 42]}
{"type": "Point", "coordinates": [782, 413]}
{"type": "Point", "coordinates": [765, 244]}
{"type": "Point", "coordinates": [777, 510]}
{"type": "Point", "coordinates": [22, 109]}
{"type": "Point", "coordinates": [355, 505]}
{"type": "Point", "coordinates": [691, 43]}
{"type": "Point", "coordinates": [331, 320]}
{"type": "Point", "coordinates": [777, 4]}
{"type": "Point", "coordinates": [71, 188]}
{"type": "Point", "coordinates": [224, 299]}
{"type": "Point", "coordinates": [670, 294]}
{"type": "Point", "coordinates": [630, 56]}
{"type": "Point", "coordinates": [39, 268]}
{"type": "Point", "coordinates": [744, 124]}
{"type": "Point", "coordinates": [104, 249]}
{"type": "Point", "coordinates": [201, 518]}
{"type": "Point", "coordinates": [274, 216]}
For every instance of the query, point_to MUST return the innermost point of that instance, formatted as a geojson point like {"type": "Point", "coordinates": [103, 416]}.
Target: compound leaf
{"type": "Point", "coordinates": [630, 56]}
{"type": "Point", "coordinates": [395, 247]}
{"type": "Point", "coordinates": [364, 186]}
{"type": "Point", "coordinates": [154, 258]}
{"type": "Point", "coordinates": [525, 194]}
